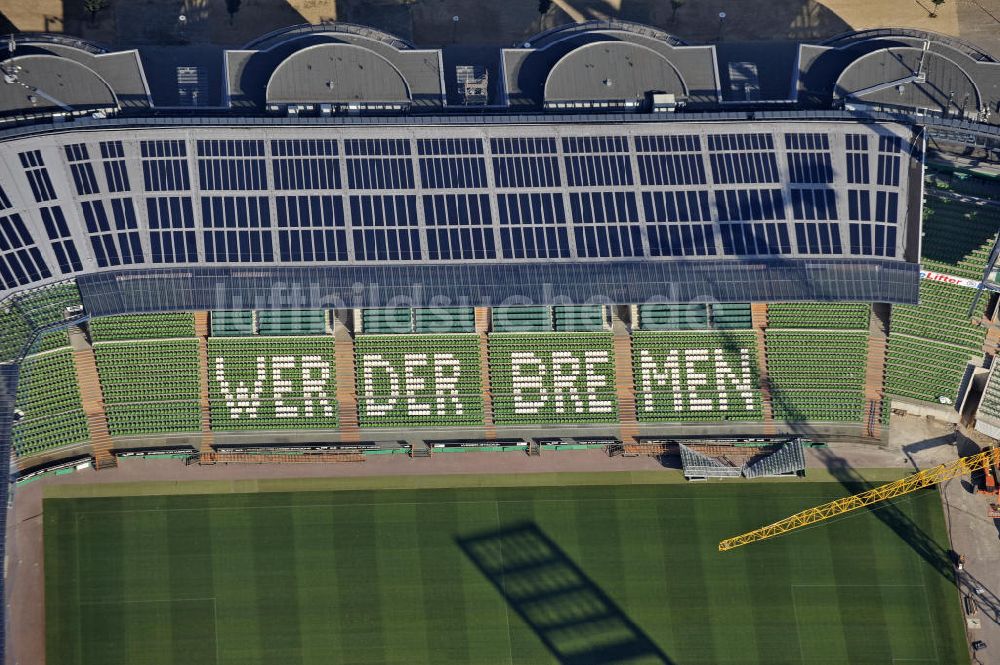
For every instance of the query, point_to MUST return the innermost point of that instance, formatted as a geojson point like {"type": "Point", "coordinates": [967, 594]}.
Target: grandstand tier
{"type": "Point", "coordinates": [696, 376]}
{"type": "Point", "coordinates": [142, 326]}
{"type": "Point", "coordinates": [816, 375]}
{"type": "Point", "coordinates": [418, 380]}
{"type": "Point", "coordinates": [49, 406]}
{"type": "Point", "coordinates": [150, 387]}
{"type": "Point", "coordinates": [830, 316]}
{"type": "Point", "coordinates": [272, 383]}
{"type": "Point", "coordinates": [552, 378]}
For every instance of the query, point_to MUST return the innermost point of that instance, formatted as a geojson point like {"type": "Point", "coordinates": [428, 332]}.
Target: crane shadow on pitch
{"type": "Point", "coordinates": [942, 560]}
{"type": "Point", "coordinates": [570, 614]}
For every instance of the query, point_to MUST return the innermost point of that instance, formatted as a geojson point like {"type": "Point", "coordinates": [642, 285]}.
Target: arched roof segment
{"type": "Point", "coordinates": [612, 70]}
{"type": "Point", "coordinates": [336, 73]}
{"type": "Point", "coordinates": [51, 83]}
{"type": "Point", "coordinates": [911, 77]}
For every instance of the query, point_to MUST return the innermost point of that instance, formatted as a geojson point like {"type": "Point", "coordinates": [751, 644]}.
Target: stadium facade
{"type": "Point", "coordinates": [333, 238]}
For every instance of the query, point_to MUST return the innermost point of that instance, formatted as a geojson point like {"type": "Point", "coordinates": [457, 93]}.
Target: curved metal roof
{"type": "Point", "coordinates": [612, 70]}
{"type": "Point", "coordinates": [911, 77]}
{"type": "Point", "coordinates": [52, 83]}
{"type": "Point", "coordinates": [336, 73]}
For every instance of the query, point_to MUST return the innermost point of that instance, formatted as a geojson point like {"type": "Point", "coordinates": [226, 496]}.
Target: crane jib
{"type": "Point", "coordinates": [912, 483]}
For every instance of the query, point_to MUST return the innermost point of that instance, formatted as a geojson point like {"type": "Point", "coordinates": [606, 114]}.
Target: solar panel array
{"type": "Point", "coordinates": [485, 194]}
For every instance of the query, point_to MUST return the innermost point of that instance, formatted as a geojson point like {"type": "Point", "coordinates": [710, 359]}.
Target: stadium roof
{"type": "Point", "coordinates": [629, 212]}
{"type": "Point", "coordinates": [909, 77]}
{"type": "Point", "coordinates": [606, 65]}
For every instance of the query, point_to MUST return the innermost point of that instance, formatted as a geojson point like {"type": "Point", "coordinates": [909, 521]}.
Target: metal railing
{"type": "Point", "coordinates": [263, 42]}
{"type": "Point", "coordinates": [606, 24]}
{"type": "Point", "coordinates": [851, 36]}
{"type": "Point", "coordinates": [62, 40]}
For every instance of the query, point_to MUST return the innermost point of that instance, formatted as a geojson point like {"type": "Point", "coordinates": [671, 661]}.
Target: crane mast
{"type": "Point", "coordinates": [978, 462]}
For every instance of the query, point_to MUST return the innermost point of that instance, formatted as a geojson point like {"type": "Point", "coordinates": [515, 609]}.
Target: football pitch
{"type": "Point", "coordinates": [515, 575]}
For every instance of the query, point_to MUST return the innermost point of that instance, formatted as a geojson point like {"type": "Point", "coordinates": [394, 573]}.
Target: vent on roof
{"type": "Point", "coordinates": [192, 88]}
{"type": "Point", "coordinates": [473, 84]}
{"type": "Point", "coordinates": [744, 81]}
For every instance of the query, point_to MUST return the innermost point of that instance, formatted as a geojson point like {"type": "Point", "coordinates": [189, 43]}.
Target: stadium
{"type": "Point", "coordinates": [338, 248]}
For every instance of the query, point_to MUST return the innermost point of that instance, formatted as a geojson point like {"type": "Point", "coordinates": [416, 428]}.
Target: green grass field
{"type": "Point", "coordinates": [491, 575]}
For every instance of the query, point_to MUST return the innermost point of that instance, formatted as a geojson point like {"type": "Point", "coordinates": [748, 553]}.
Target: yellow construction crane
{"type": "Point", "coordinates": [978, 462]}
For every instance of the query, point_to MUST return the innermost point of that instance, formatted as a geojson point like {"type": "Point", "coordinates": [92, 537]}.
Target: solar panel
{"type": "Point", "coordinates": [594, 144]}
{"type": "Point", "coordinates": [598, 170]}
{"type": "Point", "coordinates": [814, 203]}
{"type": "Point", "coordinates": [171, 229]}
{"type": "Point", "coordinates": [818, 238]}
{"type": "Point", "coordinates": [376, 147]}
{"type": "Point", "coordinates": [379, 173]}
{"type": "Point", "coordinates": [453, 173]}
{"type": "Point", "coordinates": [449, 147]}
{"type": "Point", "coordinates": [755, 239]}
{"type": "Point", "coordinates": [311, 228]}
{"type": "Point", "coordinates": [519, 172]}
{"type": "Point", "coordinates": [676, 206]}
{"type": "Point", "coordinates": [681, 240]}
{"type": "Point", "coordinates": [749, 204]}
{"type": "Point", "coordinates": [61, 240]}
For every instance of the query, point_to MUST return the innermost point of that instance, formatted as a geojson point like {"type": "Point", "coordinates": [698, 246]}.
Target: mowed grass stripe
{"type": "Point", "coordinates": [314, 548]}
{"type": "Point", "coordinates": [277, 602]}
{"type": "Point", "coordinates": [651, 549]}
{"type": "Point", "coordinates": [439, 565]}
{"type": "Point", "coordinates": [863, 623]}
{"type": "Point", "coordinates": [730, 609]}
{"type": "Point", "coordinates": [358, 618]}
{"type": "Point", "coordinates": [238, 636]}
{"type": "Point", "coordinates": [488, 620]}
{"type": "Point", "coordinates": [770, 598]}
{"type": "Point", "coordinates": [937, 584]}
{"type": "Point", "coordinates": [683, 571]}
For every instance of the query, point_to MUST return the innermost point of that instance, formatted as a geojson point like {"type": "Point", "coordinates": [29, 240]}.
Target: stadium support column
{"type": "Point", "coordinates": [758, 318]}
{"type": "Point", "coordinates": [628, 428]}
{"type": "Point", "coordinates": [93, 399]}
{"type": "Point", "coordinates": [482, 329]}
{"type": "Point", "coordinates": [878, 330]}
{"type": "Point", "coordinates": [347, 399]}
{"type": "Point", "coordinates": [201, 332]}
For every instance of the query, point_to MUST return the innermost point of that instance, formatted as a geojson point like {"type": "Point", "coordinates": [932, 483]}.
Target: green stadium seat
{"type": "Point", "coordinates": [259, 363]}
{"type": "Point", "coordinates": [49, 399]}
{"type": "Point", "coordinates": [142, 326]}
{"type": "Point", "coordinates": [831, 316]}
{"type": "Point", "coordinates": [232, 323]}
{"type": "Point", "coordinates": [150, 387]}
{"type": "Point", "coordinates": [817, 375]}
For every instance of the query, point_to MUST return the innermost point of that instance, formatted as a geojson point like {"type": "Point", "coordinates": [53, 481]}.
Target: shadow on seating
{"type": "Point", "coordinates": [572, 616]}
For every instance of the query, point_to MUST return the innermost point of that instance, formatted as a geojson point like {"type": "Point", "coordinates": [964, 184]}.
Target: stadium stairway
{"type": "Point", "coordinates": [878, 336]}
{"type": "Point", "coordinates": [347, 398]}
{"type": "Point", "coordinates": [758, 319]}
{"type": "Point", "coordinates": [92, 397]}
{"type": "Point", "coordinates": [482, 329]}
{"type": "Point", "coordinates": [628, 428]}
{"type": "Point", "coordinates": [201, 328]}
{"type": "Point", "coordinates": [991, 344]}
